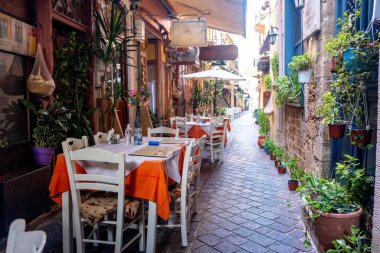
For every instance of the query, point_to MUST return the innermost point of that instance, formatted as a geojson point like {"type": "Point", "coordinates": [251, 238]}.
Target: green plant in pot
{"type": "Point", "coordinates": [295, 171]}
{"type": "Point", "coordinates": [356, 60]}
{"type": "Point", "coordinates": [270, 147]}
{"type": "Point", "coordinates": [49, 131]}
{"type": "Point", "coordinates": [278, 152]}
{"type": "Point", "coordinates": [268, 85]}
{"type": "Point", "coordinates": [71, 74]}
{"type": "Point", "coordinates": [331, 112]}
{"type": "Point", "coordinates": [333, 205]}
{"type": "Point", "coordinates": [302, 65]}
{"type": "Point", "coordinates": [111, 42]}
{"type": "Point", "coordinates": [263, 121]}
{"type": "Point", "coordinates": [357, 242]}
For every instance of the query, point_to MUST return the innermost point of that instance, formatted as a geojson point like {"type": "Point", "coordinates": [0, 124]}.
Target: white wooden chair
{"type": "Point", "coordinates": [26, 242]}
{"type": "Point", "coordinates": [185, 195]}
{"type": "Point", "coordinates": [74, 143]}
{"type": "Point", "coordinates": [163, 130]}
{"type": "Point", "coordinates": [215, 142]}
{"type": "Point", "coordinates": [100, 138]}
{"type": "Point", "coordinates": [106, 205]}
{"type": "Point", "coordinates": [196, 155]}
{"type": "Point", "coordinates": [181, 125]}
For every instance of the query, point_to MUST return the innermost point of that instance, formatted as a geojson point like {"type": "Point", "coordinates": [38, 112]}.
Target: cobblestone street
{"type": "Point", "coordinates": [250, 209]}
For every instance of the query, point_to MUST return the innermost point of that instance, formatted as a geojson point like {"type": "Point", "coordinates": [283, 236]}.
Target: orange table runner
{"type": "Point", "coordinates": [148, 181]}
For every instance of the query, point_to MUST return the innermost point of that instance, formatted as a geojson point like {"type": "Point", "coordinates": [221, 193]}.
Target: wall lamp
{"type": "Point", "coordinates": [273, 33]}
{"type": "Point", "coordinates": [299, 4]}
{"type": "Point", "coordinates": [135, 6]}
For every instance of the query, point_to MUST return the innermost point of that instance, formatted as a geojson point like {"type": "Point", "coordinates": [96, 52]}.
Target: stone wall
{"type": "Point", "coordinates": [302, 132]}
{"type": "Point", "coordinates": [376, 210]}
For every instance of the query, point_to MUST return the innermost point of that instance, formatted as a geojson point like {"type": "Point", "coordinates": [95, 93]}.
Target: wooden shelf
{"type": "Point", "coordinates": [63, 19]}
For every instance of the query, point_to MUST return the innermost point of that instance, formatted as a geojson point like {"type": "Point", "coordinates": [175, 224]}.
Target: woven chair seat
{"type": "Point", "coordinates": [97, 205]}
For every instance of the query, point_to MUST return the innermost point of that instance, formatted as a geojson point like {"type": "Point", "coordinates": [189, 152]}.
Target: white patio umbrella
{"type": "Point", "coordinates": [214, 74]}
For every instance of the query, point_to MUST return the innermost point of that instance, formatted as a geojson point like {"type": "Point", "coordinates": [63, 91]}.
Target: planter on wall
{"type": "Point", "coordinates": [337, 130]}
{"type": "Point", "coordinates": [304, 76]}
{"type": "Point", "coordinates": [360, 137]}
{"type": "Point", "coordinates": [349, 59]}
{"type": "Point", "coordinates": [332, 226]}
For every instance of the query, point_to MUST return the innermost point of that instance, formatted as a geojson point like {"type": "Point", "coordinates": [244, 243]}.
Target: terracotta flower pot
{"type": "Point", "coordinates": [361, 137]}
{"type": "Point", "coordinates": [336, 130]}
{"type": "Point", "coordinates": [261, 141]}
{"type": "Point", "coordinates": [292, 185]}
{"type": "Point", "coordinates": [332, 226]}
{"type": "Point", "coordinates": [272, 158]}
{"type": "Point", "coordinates": [281, 169]}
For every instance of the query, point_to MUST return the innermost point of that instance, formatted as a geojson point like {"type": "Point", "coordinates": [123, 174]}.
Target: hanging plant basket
{"type": "Point", "coordinates": [337, 130]}
{"type": "Point", "coordinates": [360, 137]}
{"type": "Point", "coordinates": [304, 76]}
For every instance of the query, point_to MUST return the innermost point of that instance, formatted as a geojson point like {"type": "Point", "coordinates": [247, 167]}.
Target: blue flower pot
{"type": "Point", "coordinates": [350, 60]}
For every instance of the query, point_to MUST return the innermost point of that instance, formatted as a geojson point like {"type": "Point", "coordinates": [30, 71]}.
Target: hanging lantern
{"type": "Point", "coordinates": [299, 4]}
{"type": "Point", "coordinates": [273, 33]}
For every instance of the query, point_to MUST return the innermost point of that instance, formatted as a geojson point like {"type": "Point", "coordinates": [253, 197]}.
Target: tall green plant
{"type": "Point", "coordinates": [275, 64]}
{"type": "Point", "coordinates": [267, 82]}
{"type": "Point", "coordinates": [330, 110]}
{"type": "Point", "coordinates": [71, 72]}
{"type": "Point", "coordinates": [263, 121]}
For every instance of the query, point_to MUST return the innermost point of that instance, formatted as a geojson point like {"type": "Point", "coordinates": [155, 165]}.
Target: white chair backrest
{"type": "Point", "coordinates": [171, 120]}
{"type": "Point", "coordinates": [163, 130]}
{"type": "Point", "coordinates": [181, 125]}
{"type": "Point", "coordinates": [218, 131]}
{"type": "Point", "coordinates": [100, 138]}
{"type": "Point", "coordinates": [74, 143]}
{"type": "Point", "coordinates": [25, 242]}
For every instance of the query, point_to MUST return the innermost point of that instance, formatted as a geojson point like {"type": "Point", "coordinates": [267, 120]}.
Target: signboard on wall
{"type": "Point", "coordinates": [311, 18]}
{"type": "Point", "coordinates": [189, 32]}
{"type": "Point", "coordinates": [17, 36]}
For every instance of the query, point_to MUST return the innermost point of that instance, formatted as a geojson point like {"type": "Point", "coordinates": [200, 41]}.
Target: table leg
{"type": "Point", "coordinates": [152, 227]}
{"type": "Point", "coordinates": [67, 232]}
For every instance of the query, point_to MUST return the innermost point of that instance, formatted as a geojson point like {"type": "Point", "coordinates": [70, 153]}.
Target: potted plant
{"type": "Point", "coordinates": [288, 90]}
{"type": "Point", "coordinates": [50, 130]}
{"type": "Point", "coordinates": [333, 207]}
{"type": "Point", "coordinates": [302, 64]}
{"type": "Point", "coordinates": [270, 147]}
{"type": "Point", "coordinates": [356, 242]}
{"type": "Point", "coordinates": [266, 144]}
{"type": "Point", "coordinates": [295, 173]}
{"type": "Point", "coordinates": [281, 162]}
{"type": "Point", "coordinates": [263, 121]}
{"type": "Point", "coordinates": [331, 112]}
{"type": "Point", "coordinates": [277, 153]}
{"type": "Point", "coordinates": [268, 85]}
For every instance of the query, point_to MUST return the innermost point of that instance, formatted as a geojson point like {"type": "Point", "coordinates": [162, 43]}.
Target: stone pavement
{"type": "Point", "coordinates": [250, 209]}
{"type": "Point", "coordinates": [245, 206]}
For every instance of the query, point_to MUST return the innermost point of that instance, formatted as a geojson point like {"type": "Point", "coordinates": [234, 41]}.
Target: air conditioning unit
{"type": "Point", "coordinates": [187, 58]}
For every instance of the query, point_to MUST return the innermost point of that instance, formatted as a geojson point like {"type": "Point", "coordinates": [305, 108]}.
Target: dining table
{"type": "Point", "coordinates": [203, 127]}
{"type": "Point", "coordinates": [146, 178]}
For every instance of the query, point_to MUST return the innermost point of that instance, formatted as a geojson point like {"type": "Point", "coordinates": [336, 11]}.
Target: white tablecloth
{"type": "Point", "coordinates": [205, 126]}
{"type": "Point", "coordinates": [132, 162]}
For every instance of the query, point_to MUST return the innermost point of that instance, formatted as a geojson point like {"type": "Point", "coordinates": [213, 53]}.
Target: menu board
{"type": "Point", "coordinates": [17, 36]}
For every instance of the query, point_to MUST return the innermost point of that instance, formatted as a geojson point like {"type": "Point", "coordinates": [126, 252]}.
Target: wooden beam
{"type": "Point", "coordinates": [45, 30]}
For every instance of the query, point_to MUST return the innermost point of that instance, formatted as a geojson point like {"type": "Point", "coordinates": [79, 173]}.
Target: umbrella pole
{"type": "Point", "coordinates": [215, 96]}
